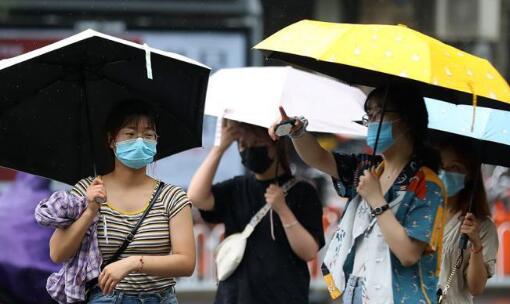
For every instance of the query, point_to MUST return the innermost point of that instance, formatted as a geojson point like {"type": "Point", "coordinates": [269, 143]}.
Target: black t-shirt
{"type": "Point", "coordinates": [270, 271]}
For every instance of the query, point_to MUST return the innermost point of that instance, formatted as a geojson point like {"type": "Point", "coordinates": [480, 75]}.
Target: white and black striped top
{"type": "Point", "coordinates": [152, 238]}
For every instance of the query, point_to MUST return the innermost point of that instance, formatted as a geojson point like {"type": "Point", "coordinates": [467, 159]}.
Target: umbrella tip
{"type": "Point", "coordinates": [89, 31]}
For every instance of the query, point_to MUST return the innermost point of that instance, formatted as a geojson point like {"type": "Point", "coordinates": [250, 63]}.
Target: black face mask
{"type": "Point", "coordinates": [256, 159]}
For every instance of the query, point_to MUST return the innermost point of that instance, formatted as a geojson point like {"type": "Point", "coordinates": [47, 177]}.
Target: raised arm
{"type": "Point", "coordinates": [199, 191]}
{"type": "Point", "coordinates": [308, 148]}
{"type": "Point", "coordinates": [65, 242]}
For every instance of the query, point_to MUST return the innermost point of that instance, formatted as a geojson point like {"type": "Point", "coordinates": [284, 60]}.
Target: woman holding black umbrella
{"type": "Point", "coordinates": [136, 263]}
{"type": "Point", "coordinates": [387, 246]}
{"type": "Point", "coordinates": [467, 213]}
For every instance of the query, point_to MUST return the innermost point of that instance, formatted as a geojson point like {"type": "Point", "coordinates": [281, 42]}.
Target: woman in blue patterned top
{"type": "Point", "coordinates": [387, 246]}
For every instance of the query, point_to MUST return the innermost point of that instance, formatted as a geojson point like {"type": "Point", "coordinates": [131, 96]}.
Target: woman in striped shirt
{"type": "Point", "coordinates": [163, 247]}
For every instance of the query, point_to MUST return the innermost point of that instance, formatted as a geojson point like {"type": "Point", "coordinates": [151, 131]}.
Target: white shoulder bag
{"type": "Point", "coordinates": [230, 251]}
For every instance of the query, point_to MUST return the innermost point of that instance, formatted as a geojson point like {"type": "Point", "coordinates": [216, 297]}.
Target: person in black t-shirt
{"type": "Point", "coordinates": [274, 268]}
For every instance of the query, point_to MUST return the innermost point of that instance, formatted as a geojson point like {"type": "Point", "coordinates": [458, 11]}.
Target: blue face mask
{"type": "Point", "coordinates": [453, 181]}
{"type": "Point", "coordinates": [385, 137]}
{"type": "Point", "coordinates": [136, 153]}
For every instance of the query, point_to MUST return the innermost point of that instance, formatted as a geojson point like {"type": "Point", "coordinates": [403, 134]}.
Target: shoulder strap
{"type": "Point", "coordinates": [129, 238]}
{"type": "Point", "coordinates": [255, 220]}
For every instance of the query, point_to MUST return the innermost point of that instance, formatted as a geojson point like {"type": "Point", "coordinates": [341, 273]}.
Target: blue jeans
{"type": "Point", "coordinates": [119, 297]}
{"type": "Point", "coordinates": [353, 293]}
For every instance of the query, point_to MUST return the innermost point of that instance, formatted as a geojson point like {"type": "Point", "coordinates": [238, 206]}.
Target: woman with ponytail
{"type": "Point", "coordinates": [387, 247]}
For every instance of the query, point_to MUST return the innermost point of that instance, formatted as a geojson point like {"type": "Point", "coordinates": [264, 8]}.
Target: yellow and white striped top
{"type": "Point", "coordinates": [152, 238]}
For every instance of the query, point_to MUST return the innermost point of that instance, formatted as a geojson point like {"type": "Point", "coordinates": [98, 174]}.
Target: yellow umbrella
{"type": "Point", "coordinates": [381, 54]}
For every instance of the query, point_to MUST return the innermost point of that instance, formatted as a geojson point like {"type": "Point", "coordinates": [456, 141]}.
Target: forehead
{"type": "Point", "coordinates": [449, 156]}
{"type": "Point", "coordinates": [250, 136]}
{"type": "Point", "coordinates": [139, 122]}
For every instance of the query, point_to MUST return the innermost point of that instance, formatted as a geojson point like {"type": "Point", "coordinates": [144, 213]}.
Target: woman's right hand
{"type": "Point", "coordinates": [96, 193]}
{"type": "Point", "coordinates": [471, 227]}
{"type": "Point", "coordinates": [297, 124]}
{"type": "Point", "coordinates": [229, 133]}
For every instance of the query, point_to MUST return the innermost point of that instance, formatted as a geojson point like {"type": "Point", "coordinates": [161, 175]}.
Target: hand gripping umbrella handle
{"type": "Point", "coordinates": [463, 241]}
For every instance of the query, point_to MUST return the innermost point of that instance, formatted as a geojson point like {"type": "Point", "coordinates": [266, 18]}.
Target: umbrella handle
{"type": "Point", "coordinates": [284, 128]}
{"type": "Point", "coordinates": [463, 241]}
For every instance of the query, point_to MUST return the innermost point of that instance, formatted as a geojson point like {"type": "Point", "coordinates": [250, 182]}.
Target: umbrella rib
{"type": "Point", "coordinates": [38, 90]}
{"type": "Point", "coordinates": [116, 82]}
{"type": "Point", "coordinates": [102, 64]}
{"type": "Point", "coordinates": [127, 87]}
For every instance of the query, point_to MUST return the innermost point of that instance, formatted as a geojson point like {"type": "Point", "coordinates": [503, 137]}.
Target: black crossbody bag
{"type": "Point", "coordinates": [129, 238]}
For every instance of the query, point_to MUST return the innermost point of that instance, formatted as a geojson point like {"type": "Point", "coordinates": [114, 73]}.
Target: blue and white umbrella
{"type": "Point", "coordinates": [490, 128]}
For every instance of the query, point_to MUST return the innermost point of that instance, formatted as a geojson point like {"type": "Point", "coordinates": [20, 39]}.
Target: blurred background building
{"type": "Point", "coordinates": [220, 33]}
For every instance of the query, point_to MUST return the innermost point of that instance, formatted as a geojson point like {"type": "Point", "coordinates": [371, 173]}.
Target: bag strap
{"type": "Point", "coordinates": [442, 292]}
{"type": "Point", "coordinates": [131, 235]}
{"type": "Point", "coordinates": [255, 220]}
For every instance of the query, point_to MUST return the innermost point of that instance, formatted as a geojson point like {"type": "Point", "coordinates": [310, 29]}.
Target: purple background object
{"type": "Point", "coordinates": [25, 264]}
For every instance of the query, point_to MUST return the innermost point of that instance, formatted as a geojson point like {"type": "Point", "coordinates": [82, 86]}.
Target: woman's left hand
{"type": "Point", "coordinates": [471, 227]}
{"type": "Point", "coordinates": [114, 273]}
{"type": "Point", "coordinates": [275, 196]}
{"type": "Point", "coordinates": [370, 189]}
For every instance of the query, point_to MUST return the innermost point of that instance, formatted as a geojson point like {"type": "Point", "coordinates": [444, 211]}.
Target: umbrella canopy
{"type": "Point", "coordinates": [490, 135]}
{"type": "Point", "coordinates": [378, 55]}
{"type": "Point", "coordinates": [55, 101]}
{"type": "Point", "coordinates": [253, 95]}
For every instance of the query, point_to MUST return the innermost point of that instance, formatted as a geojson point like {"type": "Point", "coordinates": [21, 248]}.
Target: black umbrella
{"type": "Point", "coordinates": [54, 102]}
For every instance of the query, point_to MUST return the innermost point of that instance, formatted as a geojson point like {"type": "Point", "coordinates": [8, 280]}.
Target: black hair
{"type": "Point", "coordinates": [406, 101]}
